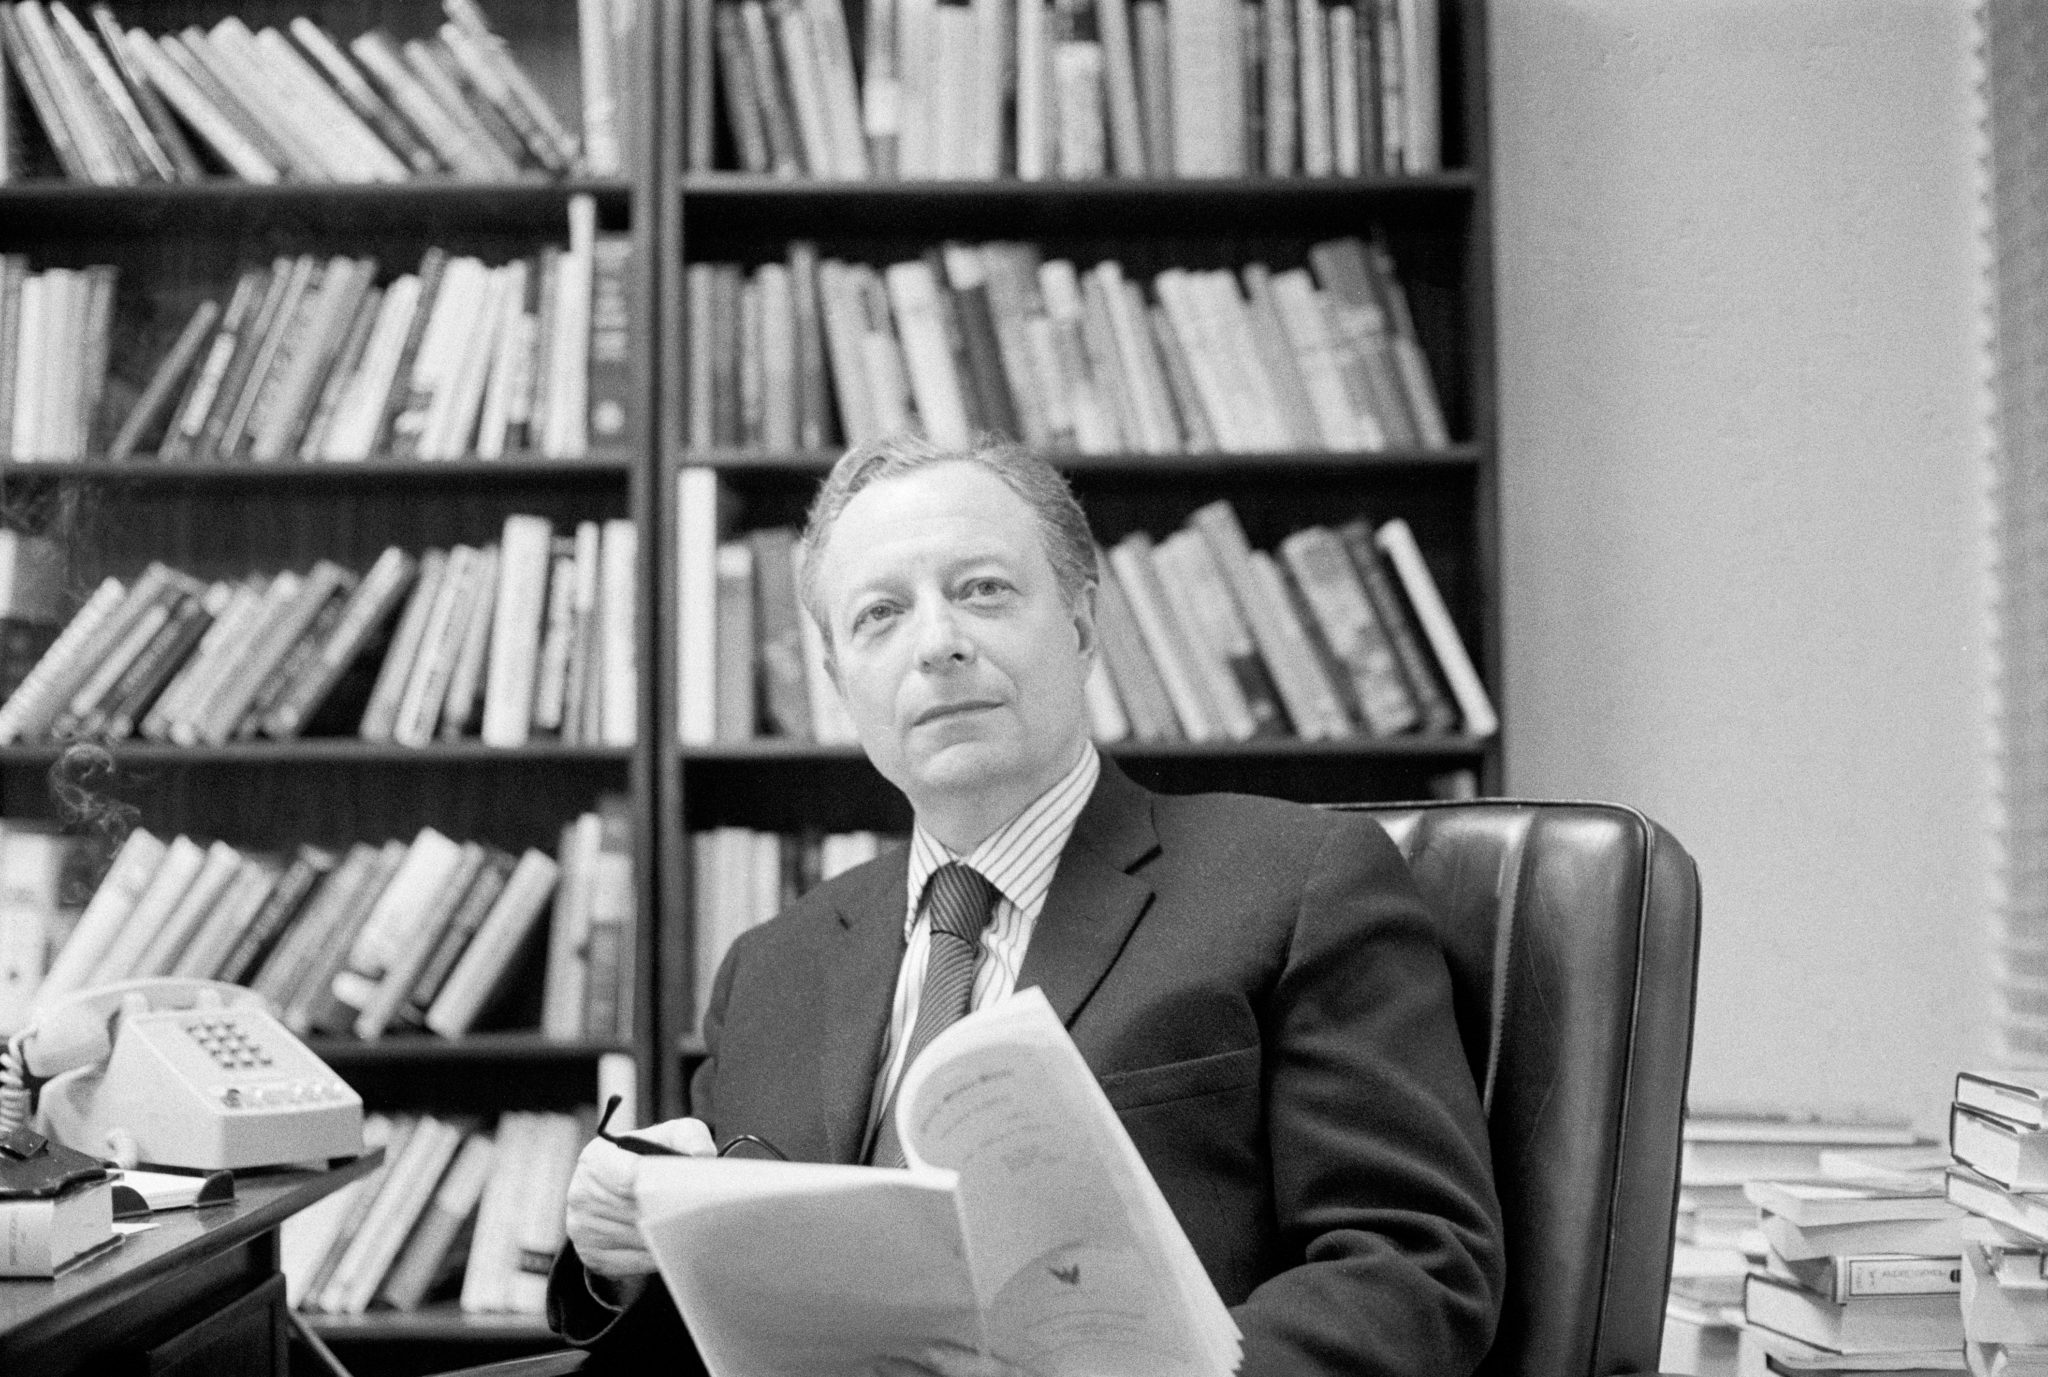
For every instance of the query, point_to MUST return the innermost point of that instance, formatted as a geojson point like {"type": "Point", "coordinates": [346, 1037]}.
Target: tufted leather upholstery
{"type": "Point", "coordinates": [1573, 930]}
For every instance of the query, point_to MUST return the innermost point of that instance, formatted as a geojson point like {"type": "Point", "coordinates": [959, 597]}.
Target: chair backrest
{"type": "Point", "coordinates": [1573, 932]}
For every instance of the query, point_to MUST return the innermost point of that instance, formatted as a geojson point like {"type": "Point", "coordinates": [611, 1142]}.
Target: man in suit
{"type": "Point", "coordinates": [1256, 984]}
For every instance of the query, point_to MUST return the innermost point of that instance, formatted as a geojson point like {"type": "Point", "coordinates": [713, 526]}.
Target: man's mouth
{"type": "Point", "coordinates": [945, 710]}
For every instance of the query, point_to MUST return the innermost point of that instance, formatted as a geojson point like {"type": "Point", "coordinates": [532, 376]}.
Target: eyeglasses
{"type": "Point", "coordinates": [747, 1145]}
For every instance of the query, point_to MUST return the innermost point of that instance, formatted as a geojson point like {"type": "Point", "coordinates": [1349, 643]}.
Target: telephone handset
{"type": "Point", "coordinates": [180, 1073]}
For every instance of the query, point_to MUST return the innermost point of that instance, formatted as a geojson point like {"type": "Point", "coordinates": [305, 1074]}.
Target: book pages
{"type": "Point", "coordinates": [795, 1269]}
{"type": "Point", "coordinates": [1080, 1264]}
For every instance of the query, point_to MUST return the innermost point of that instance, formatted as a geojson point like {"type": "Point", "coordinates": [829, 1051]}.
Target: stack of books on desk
{"type": "Point", "coordinates": [1858, 1276]}
{"type": "Point", "coordinates": [1998, 1136]}
{"type": "Point", "coordinates": [1718, 1241]}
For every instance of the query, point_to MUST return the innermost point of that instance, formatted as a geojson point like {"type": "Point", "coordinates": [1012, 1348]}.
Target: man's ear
{"type": "Point", "coordinates": [1083, 613]}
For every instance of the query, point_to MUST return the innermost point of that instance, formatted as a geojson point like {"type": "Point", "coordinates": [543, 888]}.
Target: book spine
{"type": "Point", "coordinates": [735, 695]}
{"type": "Point", "coordinates": [309, 866]}
{"type": "Point", "coordinates": [466, 14]}
{"type": "Point", "coordinates": [607, 1005]}
{"type": "Point", "coordinates": [380, 713]}
{"type": "Point", "coordinates": [523, 551]}
{"type": "Point", "coordinates": [346, 79]}
{"type": "Point", "coordinates": [377, 596]}
{"type": "Point", "coordinates": [617, 703]}
{"type": "Point", "coordinates": [465, 682]}
{"type": "Point", "coordinates": [105, 913]}
{"type": "Point", "coordinates": [611, 366]}
{"type": "Point", "coordinates": [484, 962]}
{"type": "Point", "coordinates": [34, 704]}
{"type": "Point", "coordinates": [146, 676]}
{"type": "Point", "coordinates": [1474, 704]}
{"type": "Point", "coordinates": [454, 940]}
{"type": "Point", "coordinates": [1896, 1276]}
{"type": "Point", "coordinates": [1418, 669]}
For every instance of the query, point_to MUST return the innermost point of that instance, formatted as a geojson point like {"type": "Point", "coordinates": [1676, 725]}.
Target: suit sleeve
{"type": "Point", "coordinates": [1387, 1223]}
{"type": "Point", "coordinates": [648, 1335]}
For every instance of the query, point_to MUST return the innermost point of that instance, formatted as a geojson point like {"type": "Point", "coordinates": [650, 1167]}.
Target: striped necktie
{"type": "Point", "coordinates": [959, 900]}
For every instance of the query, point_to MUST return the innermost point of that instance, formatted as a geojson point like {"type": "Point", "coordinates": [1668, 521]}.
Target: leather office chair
{"type": "Point", "coordinates": [1573, 932]}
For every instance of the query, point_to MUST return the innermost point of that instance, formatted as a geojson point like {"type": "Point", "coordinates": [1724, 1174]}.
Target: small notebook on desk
{"type": "Point", "coordinates": [139, 1194]}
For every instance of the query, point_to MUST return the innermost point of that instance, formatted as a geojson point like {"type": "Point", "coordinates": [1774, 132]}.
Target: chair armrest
{"type": "Point", "coordinates": [557, 1364]}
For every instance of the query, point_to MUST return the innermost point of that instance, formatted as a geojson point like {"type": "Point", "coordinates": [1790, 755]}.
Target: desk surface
{"type": "Point", "coordinates": [33, 1311]}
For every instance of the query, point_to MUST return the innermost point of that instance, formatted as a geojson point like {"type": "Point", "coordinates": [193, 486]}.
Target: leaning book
{"type": "Point", "coordinates": [1026, 1227]}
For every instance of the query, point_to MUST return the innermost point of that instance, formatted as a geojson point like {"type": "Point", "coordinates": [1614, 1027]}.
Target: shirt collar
{"type": "Point", "coordinates": [1013, 857]}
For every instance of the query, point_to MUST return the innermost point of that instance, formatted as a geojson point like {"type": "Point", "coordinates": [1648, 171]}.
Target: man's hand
{"type": "Point", "coordinates": [949, 1360]}
{"type": "Point", "coordinates": [603, 1214]}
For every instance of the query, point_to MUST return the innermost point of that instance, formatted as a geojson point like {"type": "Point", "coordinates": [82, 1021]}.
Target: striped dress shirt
{"type": "Point", "coordinates": [1019, 859]}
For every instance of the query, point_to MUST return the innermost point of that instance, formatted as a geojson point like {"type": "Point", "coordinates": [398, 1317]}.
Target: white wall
{"type": "Point", "coordinates": [1742, 497]}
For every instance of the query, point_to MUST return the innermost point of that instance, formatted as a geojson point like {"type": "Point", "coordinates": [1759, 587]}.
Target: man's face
{"type": "Point", "coordinates": [961, 665]}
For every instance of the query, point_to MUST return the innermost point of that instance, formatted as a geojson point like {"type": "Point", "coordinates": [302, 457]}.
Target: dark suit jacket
{"type": "Point", "coordinates": [1263, 998]}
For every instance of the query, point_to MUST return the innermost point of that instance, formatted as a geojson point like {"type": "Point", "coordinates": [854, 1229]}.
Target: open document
{"type": "Point", "coordinates": [1026, 1226]}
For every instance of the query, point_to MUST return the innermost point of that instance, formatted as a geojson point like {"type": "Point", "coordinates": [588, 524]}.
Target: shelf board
{"type": "Point", "coordinates": [427, 1050]}
{"type": "Point", "coordinates": [773, 749]}
{"type": "Point", "coordinates": [33, 208]}
{"type": "Point", "coordinates": [723, 187]}
{"type": "Point", "coordinates": [814, 462]}
{"type": "Point", "coordinates": [611, 468]}
{"type": "Point", "coordinates": [728, 213]}
{"type": "Point", "coordinates": [323, 751]}
{"type": "Point", "coordinates": [429, 1324]}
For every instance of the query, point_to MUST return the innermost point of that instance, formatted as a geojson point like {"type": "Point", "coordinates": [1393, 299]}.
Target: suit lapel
{"type": "Point", "coordinates": [1094, 901]}
{"type": "Point", "coordinates": [859, 989]}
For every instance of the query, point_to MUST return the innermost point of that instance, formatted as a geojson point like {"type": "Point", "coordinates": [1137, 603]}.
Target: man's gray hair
{"type": "Point", "coordinates": [1062, 525]}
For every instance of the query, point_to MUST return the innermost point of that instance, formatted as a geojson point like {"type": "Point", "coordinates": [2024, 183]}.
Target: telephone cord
{"type": "Point", "coordinates": [15, 1097]}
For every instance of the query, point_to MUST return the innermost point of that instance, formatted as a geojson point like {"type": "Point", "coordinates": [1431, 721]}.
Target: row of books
{"type": "Point", "coordinates": [1340, 633]}
{"type": "Point", "coordinates": [56, 332]}
{"type": "Point", "coordinates": [372, 938]}
{"type": "Point", "coordinates": [1067, 89]}
{"type": "Point", "coordinates": [996, 339]}
{"type": "Point", "coordinates": [741, 876]}
{"type": "Point", "coordinates": [124, 107]}
{"type": "Point", "coordinates": [456, 1211]}
{"type": "Point", "coordinates": [530, 637]}
{"type": "Point", "coordinates": [312, 359]}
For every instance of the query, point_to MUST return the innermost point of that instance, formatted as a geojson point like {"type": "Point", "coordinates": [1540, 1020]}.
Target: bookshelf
{"type": "Point", "coordinates": [220, 518]}
{"type": "Point", "coordinates": [1437, 225]}
{"type": "Point", "coordinates": [175, 244]}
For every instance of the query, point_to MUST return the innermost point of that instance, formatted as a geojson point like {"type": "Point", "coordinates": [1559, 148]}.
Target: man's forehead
{"type": "Point", "coordinates": [953, 513]}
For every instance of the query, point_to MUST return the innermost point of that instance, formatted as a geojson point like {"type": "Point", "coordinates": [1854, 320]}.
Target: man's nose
{"type": "Point", "coordinates": [941, 640]}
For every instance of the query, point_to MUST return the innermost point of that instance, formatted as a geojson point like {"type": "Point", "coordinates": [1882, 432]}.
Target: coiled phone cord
{"type": "Point", "coordinates": [15, 1097]}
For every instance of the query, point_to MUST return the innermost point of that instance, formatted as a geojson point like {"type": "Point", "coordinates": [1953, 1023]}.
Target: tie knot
{"type": "Point", "coordinates": [961, 899]}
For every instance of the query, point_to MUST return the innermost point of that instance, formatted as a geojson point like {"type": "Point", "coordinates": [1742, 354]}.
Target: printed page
{"type": "Point", "coordinates": [787, 1269]}
{"type": "Point", "coordinates": [1080, 1265]}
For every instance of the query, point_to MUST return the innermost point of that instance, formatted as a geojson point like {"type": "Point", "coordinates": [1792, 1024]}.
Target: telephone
{"type": "Point", "coordinates": [179, 1073]}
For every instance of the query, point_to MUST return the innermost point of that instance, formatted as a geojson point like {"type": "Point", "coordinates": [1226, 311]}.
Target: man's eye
{"type": "Point", "coordinates": [986, 588]}
{"type": "Point", "coordinates": [872, 615]}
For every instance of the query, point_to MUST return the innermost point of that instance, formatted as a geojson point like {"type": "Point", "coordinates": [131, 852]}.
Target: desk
{"type": "Point", "coordinates": [198, 1294]}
